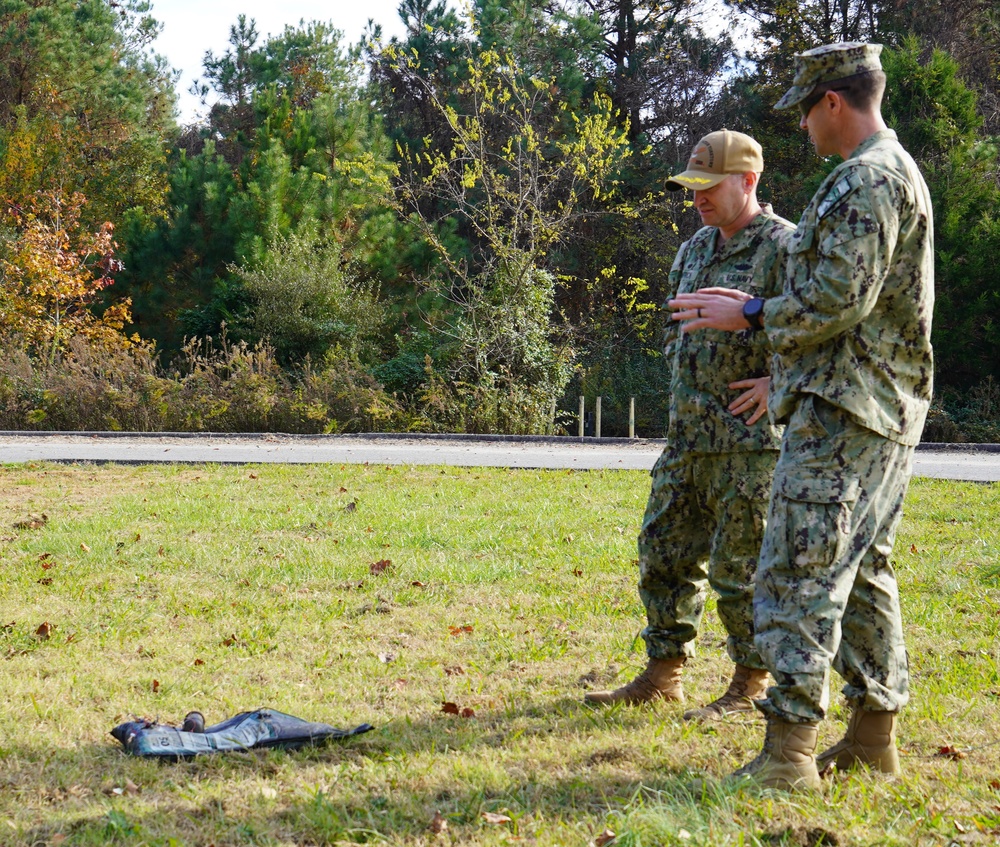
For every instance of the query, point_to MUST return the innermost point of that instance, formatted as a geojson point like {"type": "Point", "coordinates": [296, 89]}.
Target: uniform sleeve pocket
{"type": "Point", "coordinates": [801, 240]}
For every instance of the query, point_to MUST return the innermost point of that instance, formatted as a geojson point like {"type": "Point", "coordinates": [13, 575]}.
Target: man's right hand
{"type": "Point", "coordinates": [754, 398]}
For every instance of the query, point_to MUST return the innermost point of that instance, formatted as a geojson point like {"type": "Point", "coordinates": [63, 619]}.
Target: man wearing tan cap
{"type": "Point", "coordinates": [852, 379]}
{"type": "Point", "coordinates": [705, 516]}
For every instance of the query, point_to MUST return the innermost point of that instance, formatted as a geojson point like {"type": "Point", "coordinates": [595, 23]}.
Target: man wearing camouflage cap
{"type": "Point", "coordinates": [705, 516]}
{"type": "Point", "coordinates": [852, 378]}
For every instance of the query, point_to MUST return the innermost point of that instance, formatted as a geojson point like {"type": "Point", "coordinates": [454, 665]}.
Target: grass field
{"type": "Point", "coordinates": [155, 590]}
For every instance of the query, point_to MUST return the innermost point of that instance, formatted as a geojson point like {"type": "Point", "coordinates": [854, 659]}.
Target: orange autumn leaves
{"type": "Point", "coordinates": [53, 273]}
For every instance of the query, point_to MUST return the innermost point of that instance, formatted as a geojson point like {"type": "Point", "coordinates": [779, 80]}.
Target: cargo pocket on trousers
{"type": "Point", "coordinates": [817, 518]}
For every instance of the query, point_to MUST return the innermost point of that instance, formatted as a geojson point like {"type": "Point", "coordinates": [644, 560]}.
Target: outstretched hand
{"type": "Point", "coordinates": [754, 398]}
{"type": "Point", "coordinates": [710, 308]}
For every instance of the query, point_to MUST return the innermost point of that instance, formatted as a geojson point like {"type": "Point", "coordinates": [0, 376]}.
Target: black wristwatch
{"type": "Point", "coordinates": [753, 311]}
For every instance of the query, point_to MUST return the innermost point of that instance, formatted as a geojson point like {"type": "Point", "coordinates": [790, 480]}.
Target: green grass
{"type": "Point", "coordinates": [229, 588]}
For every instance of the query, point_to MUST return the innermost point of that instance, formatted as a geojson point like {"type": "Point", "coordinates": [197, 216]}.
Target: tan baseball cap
{"type": "Point", "coordinates": [829, 63]}
{"type": "Point", "coordinates": [717, 155]}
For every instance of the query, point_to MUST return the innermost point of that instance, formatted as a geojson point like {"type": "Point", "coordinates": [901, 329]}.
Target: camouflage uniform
{"type": "Point", "coordinates": [852, 379]}
{"type": "Point", "coordinates": [706, 511]}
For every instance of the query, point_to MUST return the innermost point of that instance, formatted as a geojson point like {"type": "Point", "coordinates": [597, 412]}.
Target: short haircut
{"type": "Point", "coordinates": [862, 91]}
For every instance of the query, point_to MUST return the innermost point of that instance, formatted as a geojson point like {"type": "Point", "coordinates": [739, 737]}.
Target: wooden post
{"type": "Point", "coordinates": [631, 417]}
{"type": "Point", "coordinates": [582, 409]}
{"type": "Point", "coordinates": [597, 419]}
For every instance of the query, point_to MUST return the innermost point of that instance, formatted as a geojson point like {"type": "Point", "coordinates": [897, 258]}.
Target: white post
{"type": "Point", "coordinates": [582, 409]}
{"type": "Point", "coordinates": [597, 420]}
{"type": "Point", "coordinates": [631, 417]}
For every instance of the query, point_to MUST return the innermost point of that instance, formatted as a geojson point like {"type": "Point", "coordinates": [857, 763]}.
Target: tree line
{"type": "Point", "coordinates": [459, 229]}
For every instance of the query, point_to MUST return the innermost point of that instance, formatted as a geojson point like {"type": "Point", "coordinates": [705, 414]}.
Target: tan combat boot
{"type": "Point", "coordinates": [870, 740]}
{"type": "Point", "coordinates": [661, 680]}
{"type": "Point", "coordinates": [787, 760]}
{"type": "Point", "coordinates": [747, 685]}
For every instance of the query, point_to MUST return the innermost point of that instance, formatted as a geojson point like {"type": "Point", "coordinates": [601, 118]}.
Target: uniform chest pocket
{"type": "Point", "coordinates": [689, 281]}
{"type": "Point", "coordinates": [739, 281]}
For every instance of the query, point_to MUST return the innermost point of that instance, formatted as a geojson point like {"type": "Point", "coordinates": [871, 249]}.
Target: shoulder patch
{"type": "Point", "coordinates": [844, 186]}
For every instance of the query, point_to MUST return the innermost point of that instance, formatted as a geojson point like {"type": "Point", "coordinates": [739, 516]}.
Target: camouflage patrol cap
{"type": "Point", "coordinates": [715, 156]}
{"type": "Point", "coordinates": [829, 63]}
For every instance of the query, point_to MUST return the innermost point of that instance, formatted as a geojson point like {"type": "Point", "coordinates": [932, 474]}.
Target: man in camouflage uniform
{"type": "Point", "coordinates": [852, 379]}
{"type": "Point", "coordinates": [705, 517]}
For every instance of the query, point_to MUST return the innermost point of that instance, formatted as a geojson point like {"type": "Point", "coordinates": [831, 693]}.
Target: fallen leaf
{"type": "Point", "coordinates": [199, 662]}
{"type": "Point", "coordinates": [350, 507]}
{"type": "Point", "coordinates": [577, 572]}
{"type": "Point", "coordinates": [683, 834]}
{"type": "Point", "coordinates": [460, 630]}
{"type": "Point", "coordinates": [386, 658]}
{"type": "Point", "coordinates": [268, 791]}
{"type": "Point", "coordinates": [417, 584]}
{"type": "Point", "coordinates": [995, 784]}
{"type": "Point", "coordinates": [449, 708]}
{"type": "Point", "coordinates": [253, 476]}
{"type": "Point", "coordinates": [493, 818]}
{"type": "Point", "coordinates": [467, 712]}
{"type": "Point", "coordinates": [568, 539]}
{"type": "Point", "coordinates": [59, 838]}
{"type": "Point", "coordinates": [44, 556]}
{"type": "Point", "coordinates": [156, 686]}
{"type": "Point", "coordinates": [84, 547]}
{"type": "Point", "coordinates": [400, 684]}
{"type": "Point", "coordinates": [951, 753]}
{"type": "Point", "coordinates": [438, 824]}
{"type": "Point", "coordinates": [379, 567]}
{"type": "Point", "coordinates": [454, 670]}
{"type": "Point", "coordinates": [605, 837]}
{"type": "Point", "coordinates": [913, 549]}
{"type": "Point", "coordinates": [47, 565]}
{"type": "Point", "coordinates": [44, 631]}
{"type": "Point", "coordinates": [960, 828]}
{"type": "Point", "coordinates": [45, 580]}
{"type": "Point", "coordinates": [32, 522]}
{"type": "Point", "coordinates": [131, 787]}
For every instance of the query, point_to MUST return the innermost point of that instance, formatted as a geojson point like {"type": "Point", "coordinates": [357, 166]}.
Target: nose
{"type": "Point", "coordinates": [804, 122]}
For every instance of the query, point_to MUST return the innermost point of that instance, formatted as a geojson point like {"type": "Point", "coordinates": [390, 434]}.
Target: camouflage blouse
{"type": "Point", "coordinates": [853, 323]}
{"type": "Point", "coordinates": [703, 364]}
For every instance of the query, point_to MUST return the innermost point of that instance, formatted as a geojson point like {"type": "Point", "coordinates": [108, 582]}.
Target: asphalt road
{"type": "Point", "coordinates": [980, 463]}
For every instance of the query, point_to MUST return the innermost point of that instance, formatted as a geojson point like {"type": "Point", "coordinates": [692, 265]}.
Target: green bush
{"type": "Point", "coordinates": [214, 386]}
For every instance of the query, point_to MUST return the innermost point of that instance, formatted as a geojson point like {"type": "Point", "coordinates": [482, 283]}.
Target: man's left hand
{"type": "Point", "coordinates": [710, 308]}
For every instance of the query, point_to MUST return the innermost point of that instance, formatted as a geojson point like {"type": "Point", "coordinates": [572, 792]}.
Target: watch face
{"type": "Point", "coordinates": [752, 311]}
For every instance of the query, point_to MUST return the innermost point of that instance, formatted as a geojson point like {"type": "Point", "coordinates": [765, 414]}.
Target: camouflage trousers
{"type": "Point", "coordinates": [826, 592]}
{"type": "Point", "coordinates": [703, 525]}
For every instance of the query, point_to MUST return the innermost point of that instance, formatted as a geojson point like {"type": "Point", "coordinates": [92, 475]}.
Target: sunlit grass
{"type": "Point", "coordinates": [164, 589]}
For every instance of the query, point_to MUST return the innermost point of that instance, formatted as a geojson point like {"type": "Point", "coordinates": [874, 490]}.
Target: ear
{"type": "Point", "coordinates": [833, 102]}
